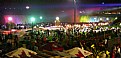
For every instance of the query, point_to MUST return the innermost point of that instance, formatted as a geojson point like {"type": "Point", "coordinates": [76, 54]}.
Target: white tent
{"type": "Point", "coordinates": [19, 51]}
{"type": "Point", "coordinates": [78, 52]}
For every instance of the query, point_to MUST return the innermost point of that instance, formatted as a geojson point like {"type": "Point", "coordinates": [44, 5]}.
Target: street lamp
{"type": "Point", "coordinates": [57, 18]}
{"type": "Point", "coordinates": [40, 17]}
{"type": "Point", "coordinates": [32, 20]}
{"type": "Point", "coordinates": [27, 7]}
{"type": "Point", "coordinates": [10, 18]}
{"type": "Point", "coordinates": [57, 21]}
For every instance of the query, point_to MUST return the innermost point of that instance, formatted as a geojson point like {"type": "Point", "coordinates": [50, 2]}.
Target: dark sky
{"type": "Point", "coordinates": [42, 4]}
{"type": "Point", "coordinates": [58, 1]}
{"type": "Point", "coordinates": [99, 1]}
{"type": "Point", "coordinates": [50, 9]}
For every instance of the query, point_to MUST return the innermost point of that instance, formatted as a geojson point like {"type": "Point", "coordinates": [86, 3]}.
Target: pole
{"type": "Point", "coordinates": [74, 1]}
{"type": "Point", "coordinates": [32, 27]}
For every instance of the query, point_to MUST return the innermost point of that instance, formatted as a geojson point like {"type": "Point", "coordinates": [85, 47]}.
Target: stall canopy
{"type": "Point", "coordinates": [20, 51]}
{"type": "Point", "coordinates": [78, 52]}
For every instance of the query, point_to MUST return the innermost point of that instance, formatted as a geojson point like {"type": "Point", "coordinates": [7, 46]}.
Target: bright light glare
{"type": "Point", "coordinates": [80, 12]}
{"type": "Point", "coordinates": [32, 19]}
{"type": "Point", "coordinates": [40, 17]}
{"type": "Point", "coordinates": [13, 30]}
{"type": "Point", "coordinates": [101, 19]}
{"type": "Point", "coordinates": [107, 18]}
{"type": "Point", "coordinates": [57, 18]}
{"type": "Point", "coordinates": [116, 18]}
{"type": "Point", "coordinates": [27, 7]}
{"type": "Point", "coordinates": [10, 18]}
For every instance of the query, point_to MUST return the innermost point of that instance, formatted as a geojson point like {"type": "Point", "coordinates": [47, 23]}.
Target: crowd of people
{"type": "Point", "coordinates": [97, 42]}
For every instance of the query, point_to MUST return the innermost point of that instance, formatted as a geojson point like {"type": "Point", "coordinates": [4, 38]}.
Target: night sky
{"type": "Point", "coordinates": [18, 6]}
{"type": "Point", "coordinates": [58, 1]}
{"type": "Point", "coordinates": [100, 1]}
{"type": "Point", "coordinates": [49, 8]}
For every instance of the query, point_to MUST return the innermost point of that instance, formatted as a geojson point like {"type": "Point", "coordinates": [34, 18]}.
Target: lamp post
{"type": "Point", "coordinates": [10, 22]}
{"type": "Point", "coordinates": [32, 20]}
{"type": "Point", "coordinates": [57, 21]}
{"type": "Point", "coordinates": [75, 8]}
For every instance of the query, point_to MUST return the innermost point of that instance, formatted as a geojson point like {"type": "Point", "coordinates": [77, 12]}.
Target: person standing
{"type": "Point", "coordinates": [118, 54]}
{"type": "Point", "coordinates": [113, 54]}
